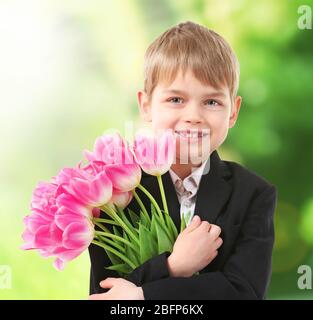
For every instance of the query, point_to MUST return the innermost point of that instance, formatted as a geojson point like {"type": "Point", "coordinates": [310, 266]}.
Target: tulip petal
{"type": "Point", "coordinates": [43, 238]}
{"type": "Point", "coordinates": [122, 199]}
{"type": "Point", "coordinates": [65, 216]}
{"type": "Point", "coordinates": [89, 155]}
{"type": "Point", "coordinates": [67, 254]}
{"type": "Point", "coordinates": [101, 190]}
{"type": "Point", "coordinates": [156, 154]}
{"type": "Point", "coordinates": [78, 235]}
{"type": "Point", "coordinates": [124, 177]}
{"type": "Point", "coordinates": [59, 264]}
{"type": "Point", "coordinates": [69, 201]}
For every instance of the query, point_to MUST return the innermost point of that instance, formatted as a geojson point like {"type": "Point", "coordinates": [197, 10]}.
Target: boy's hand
{"type": "Point", "coordinates": [195, 247]}
{"type": "Point", "coordinates": [121, 289]}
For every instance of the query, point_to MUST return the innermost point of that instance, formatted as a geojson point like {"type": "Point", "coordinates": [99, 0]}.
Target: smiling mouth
{"type": "Point", "coordinates": [191, 134]}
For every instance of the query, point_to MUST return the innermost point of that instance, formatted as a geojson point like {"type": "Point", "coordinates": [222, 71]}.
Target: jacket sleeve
{"type": "Point", "coordinates": [99, 260]}
{"type": "Point", "coordinates": [151, 270]}
{"type": "Point", "coordinates": [246, 273]}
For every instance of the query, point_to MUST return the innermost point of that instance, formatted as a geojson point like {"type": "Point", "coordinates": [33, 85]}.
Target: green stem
{"type": "Point", "coordinates": [162, 194]}
{"type": "Point", "coordinates": [149, 195]}
{"type": "Point", "coordinates": [102, 238]}
{"type": "Point", "coordinates": [142, 206]}
{"type": "Point", "coordinates": [168, 218]}
{"type": "Point", "coordinates": [101, 226]}
{"type": "Point", "coordinates": [116, 217]}
{"type": "Point", "coordinates": [114, 236]}
{"type": "Point", "coordinates": [105, 221]}
{"type": "Point", "coordinates": [120, 255]}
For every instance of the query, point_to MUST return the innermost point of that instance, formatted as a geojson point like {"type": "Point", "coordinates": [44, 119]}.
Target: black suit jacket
{"type": "Point", "coordinates": [242, 204]}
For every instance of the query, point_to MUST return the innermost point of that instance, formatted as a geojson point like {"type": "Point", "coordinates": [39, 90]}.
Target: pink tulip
{"type": "Point", "coordinates": [110, 149]}
{"type": "Point", "coordinates": [121, 199]}
{"type": "Point", "coordinates": [44, 200]}
{"type": "Point", "coordinates": [124, 177]}
{"type": "Point", "coordinates": [95, 192]}
{"type": "Point", "coordinates": [155, 154]}
{"type": "Point", "coordinates": [64, 238]}
{"type": "Point", "coordinates": [69, 201]}
{"type": "Point", "coordinates": [92, 187]}
{"type": "Point", "coordinates": [59, 226]}
{"type": "Point", "coordinates": [113, 155]}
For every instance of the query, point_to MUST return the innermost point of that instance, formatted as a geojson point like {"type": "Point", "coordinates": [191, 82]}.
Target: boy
{"type": "Point", "coordinates": [191, 83]}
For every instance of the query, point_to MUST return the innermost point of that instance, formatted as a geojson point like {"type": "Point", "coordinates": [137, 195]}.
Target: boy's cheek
{"type": "Point", "coordinates": [218, 137]}
{"type": "Point", "coordinates": [159, 125]}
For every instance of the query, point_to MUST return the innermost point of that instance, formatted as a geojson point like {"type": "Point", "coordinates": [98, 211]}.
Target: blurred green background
{"type": "Point", "coordinates": [69, 70]}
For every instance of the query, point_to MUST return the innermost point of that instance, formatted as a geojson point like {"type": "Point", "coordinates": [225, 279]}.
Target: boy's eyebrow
{"type": "Point", "coordinates": [213, 93]}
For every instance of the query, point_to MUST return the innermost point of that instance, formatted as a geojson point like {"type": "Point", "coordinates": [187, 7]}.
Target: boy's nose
{"type": "Point", "coordinates": [193, 114]}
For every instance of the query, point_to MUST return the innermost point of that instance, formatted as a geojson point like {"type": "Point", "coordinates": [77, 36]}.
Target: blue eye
{"type": "Point", "coordinates": [213, 103]}
{"type": "Point", "coordinates": [171, 99]}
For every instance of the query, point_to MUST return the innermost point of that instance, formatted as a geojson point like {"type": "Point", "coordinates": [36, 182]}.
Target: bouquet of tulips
{"type": "Point", "coordinates": [66, 210]}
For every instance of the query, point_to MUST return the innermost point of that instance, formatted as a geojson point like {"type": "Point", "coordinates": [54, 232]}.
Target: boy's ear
{"type": "Point", "coordinates": [144, 106]}
{"type": "Point", "coordinates": [235, 111]}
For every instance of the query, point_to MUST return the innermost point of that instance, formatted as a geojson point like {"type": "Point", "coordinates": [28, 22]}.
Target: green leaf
{"type": "Point", "coordinates": [148, 244]}
{"type": "Point", "coordinates": [173, 226]}
{"type": "Point", "coordinates": [164, 228]}
{"type": "Point", "coordinates": [157, 217]}
{"type": "Point", "coordinates": [131, 254]}
{"type": "Point", "coordinates": [163, 239]}
{"type": "Point", "coordinates": [153, 227]}
{"type": "Point", "coordinates": [153, 210]}
{"type": "Point", "coordinates": [122, 268]}
{"type": "Point", "coordinates": [133, 216]}
{"type": "Point", "coordinates": [116, 231]}
{"type": "Point", "coordinates": [144, 220]}
{"type": "Point", "coordinates": [184, 220]}
{"type": "Point", "coordinates": [114, 259]}
{"type": "Point", "coordinates": [112, 242]}
{"type": "Point", "coordinates": [127, 222]}
{"type": "Point", "coordinates": [187, 217]}
{"type": "Point", "coordinates": [125, 219]}
{"type": "Point", "coordinates": [182, 223]}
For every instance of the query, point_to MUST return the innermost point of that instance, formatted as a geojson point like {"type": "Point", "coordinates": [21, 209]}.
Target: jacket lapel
{"type": "Point", "coordinates": [214, 189]}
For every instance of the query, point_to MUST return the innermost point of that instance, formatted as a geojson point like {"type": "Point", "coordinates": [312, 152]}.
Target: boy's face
{"type": "Point", "coordinates": [187, 104]}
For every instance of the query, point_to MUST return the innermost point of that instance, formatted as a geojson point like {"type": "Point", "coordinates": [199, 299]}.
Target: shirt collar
{"type": "Point", "coordinates": [195, 174]}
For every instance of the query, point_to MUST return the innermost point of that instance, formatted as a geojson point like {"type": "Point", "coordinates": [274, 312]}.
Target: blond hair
{"type": "Point", "coordinates": [189, 45]}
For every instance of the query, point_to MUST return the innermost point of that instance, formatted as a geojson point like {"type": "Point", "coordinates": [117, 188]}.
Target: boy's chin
{"type": "Point", "coordinates": [192, 154]}
{"type": "Point", "coordinates": [192, 159]}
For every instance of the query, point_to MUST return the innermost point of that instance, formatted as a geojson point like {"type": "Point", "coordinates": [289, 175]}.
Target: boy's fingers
{"type": "Point", "coordinates": [215, 231]}
{"type": "Point", "coordinates": [206, 225]}
{"type": "Point", "coordinates": [218, 242]}
{"type": "Point", "coordinates": [108, 282]}
{"type": "Point", "coordinates": [214, 255]}
{"type": "Point", "coordinates": [193, 224]}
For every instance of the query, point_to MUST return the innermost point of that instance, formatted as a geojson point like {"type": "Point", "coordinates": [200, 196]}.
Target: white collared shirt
{"type": "Point", "coordinates": [187, 191]}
